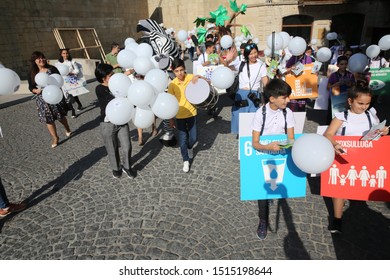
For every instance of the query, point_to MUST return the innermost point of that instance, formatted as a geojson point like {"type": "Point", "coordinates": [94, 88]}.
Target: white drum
{"type": "Point", "coordinates": [201, 94]}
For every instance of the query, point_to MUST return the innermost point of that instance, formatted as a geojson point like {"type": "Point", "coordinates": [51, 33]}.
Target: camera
{"type": "Point", "coordinates": [253, 97]}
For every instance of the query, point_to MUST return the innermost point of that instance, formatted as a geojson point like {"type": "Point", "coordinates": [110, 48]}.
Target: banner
{"type": "Point", "coordinates": [268, 174]}
{"type": "Point", "coordinates": [74, 85]}
{"type": "Point", "coordinates": [361, 172]}
{"type": "Point", "coordinates": [380, 80]}
{"type": "Point", "coordinates": [304, 85]}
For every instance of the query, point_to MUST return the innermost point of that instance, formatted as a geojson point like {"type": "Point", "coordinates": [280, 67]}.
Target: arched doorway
{"type": "Point", "coordinates": [349, 27]}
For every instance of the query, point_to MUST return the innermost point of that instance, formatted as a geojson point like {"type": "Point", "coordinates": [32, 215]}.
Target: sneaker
{"type": "Point", "coordinates": [186, 166]}
{"type": "Point", "coordinates": [129, 172]}
{"type": "Point", "coordinates": [262, 230]}
{"type": "Point", "coordinates": [12, 208]}
{"type": "Point", "coordinates": [74, 116]}
{"type": "Point", "coordinates": [79, 108]}
{"type": "Point", "coordinates": [191, 153]}
{"type": "Point", "coordinates": [336, 225]}
{"type": "Point", "coordinates": [117, 173]}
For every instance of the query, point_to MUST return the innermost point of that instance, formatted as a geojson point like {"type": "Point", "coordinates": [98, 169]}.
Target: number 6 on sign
{"type": "Point", "coordinates": [248, 148]}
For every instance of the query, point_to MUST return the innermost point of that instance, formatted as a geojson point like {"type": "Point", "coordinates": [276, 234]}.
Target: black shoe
{"type": "Point", "coordinates": [336, 226]}
{"type": "Point", "coordinates": [79, 108]}
{"type": "Point", "coordinates": [117, 173]}
{"type": "Point", "coordinates": [262, 230]}
{"type": "Point", "coordinates": [129, 172]}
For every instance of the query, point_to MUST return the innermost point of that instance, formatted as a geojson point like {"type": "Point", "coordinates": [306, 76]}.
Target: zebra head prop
{"type": "Point", "coordinates": [164, 47]}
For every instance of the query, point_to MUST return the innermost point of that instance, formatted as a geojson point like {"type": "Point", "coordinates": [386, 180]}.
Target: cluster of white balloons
{"type": "Point", "coordinates": [52, 84]}
{"type": "Point", "coordinates": [9, 81]}
{"type": "Point", "coordinates": [313, 153]}
{"type": "Point", "coordinates": [148, 96]}
{"type": "Point", "coordinates": [238, 40]}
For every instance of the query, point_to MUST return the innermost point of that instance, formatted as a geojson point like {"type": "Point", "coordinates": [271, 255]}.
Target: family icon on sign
{"type": "Point", "coordinates": [373, 180]}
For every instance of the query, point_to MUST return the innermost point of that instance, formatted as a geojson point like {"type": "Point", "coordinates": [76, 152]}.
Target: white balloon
{"type": "Point", "coordinates": [286, 38]}
{"type": "Point", "coordinates": [63, 69]}
{"type": "Point", "coordinates": [165, 106]}
{"type": "Point", "coordinates": [1, 66]}
{"type": "Point", "coordinates": [313, 153]}
{"type": "Point", "coordinates": [142, 65]}
{"type": "Point", "coordinates": [9, 81]}
{"type": "Point", "coordinates": [143, 117]}
{"type": "Point", "coordinates": [52, 94]}
{"type": "Point", "coordinates": [313, 42]}
{"type": "Point", "coordinates": [161, 61]}
{"type": "Point", "coordinates": [182, 35]}
{"type": "Point", "coordinates": [119, 84]}
{"type": "Point", "coordinates": [278, 42]}
{"type": "Point", "coordinates": [129, 40]}
{"type": "Point", "coordinates": [126, 58]}
{"type": "Point", "coordinates": [226, 41]}
{"type": "Point", "coordinates": [267, 52]}
{"type": "Point", "coordinates": [119, 111]}
{"type": "Point", "coordinates": [140, 93]}
{"type": "Point", "coordinates": [384, 43]}
{"type": "Point", "coordinates": [158, 79]}
{"type": "Point", "coordinates": [41, 79]}
{"type": "Point", "coordinates": [331, 36]}
{"type": "Point", "coordinates": [256, 40]}
{"type": "Point", "coordinates": [144, 49]}
{"type": "Point", "coordinates": [373, 51]}
{"type": "Point", "coordinates": [56, 79]}
{"type": "Point", "coordinates": [324, 54]}
{"type": "Point", "coordinates": [297, 46]}
{"type": "Point", "coordinates": [222, 77]}
{"type": "Point", "coordinates": [357, 63]}
{"type": "Point", "coordinates": [133, 46]}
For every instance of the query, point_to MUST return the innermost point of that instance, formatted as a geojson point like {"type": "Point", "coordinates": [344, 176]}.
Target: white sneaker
{"type": "Point", "coordinates": [186, 166]}
{"type": "Point", "coordinates": [191, 153]}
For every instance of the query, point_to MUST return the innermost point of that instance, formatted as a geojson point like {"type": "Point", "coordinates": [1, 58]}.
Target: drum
{"type": "Point", "coordinates": [201, 94]}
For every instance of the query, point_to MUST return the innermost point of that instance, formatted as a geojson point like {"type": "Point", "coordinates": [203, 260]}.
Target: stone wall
{"type": "Point", "coordinates": [26, 26]}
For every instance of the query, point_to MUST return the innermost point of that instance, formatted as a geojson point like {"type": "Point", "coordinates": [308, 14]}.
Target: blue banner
{"type": "Point", "coordinates": [268, 174]}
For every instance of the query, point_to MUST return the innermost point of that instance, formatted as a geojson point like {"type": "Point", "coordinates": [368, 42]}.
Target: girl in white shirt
{"type": "Point", "coordinates": [74, 70]}
{"type": "Point", "coordinates": [355, 121]}
{"type": "Point", "coordinates": [251, 80]}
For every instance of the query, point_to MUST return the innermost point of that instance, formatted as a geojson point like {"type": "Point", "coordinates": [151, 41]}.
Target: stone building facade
{"type": "Point", "coordinates": [26, 25]}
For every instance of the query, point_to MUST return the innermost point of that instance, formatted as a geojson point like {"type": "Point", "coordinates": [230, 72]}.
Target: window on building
{"type": "Point", "coordinates": [298, 25]}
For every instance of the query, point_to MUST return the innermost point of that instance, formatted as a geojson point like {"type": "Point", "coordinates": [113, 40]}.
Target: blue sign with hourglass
{"type": "Point", "coordinates": [267, 174]}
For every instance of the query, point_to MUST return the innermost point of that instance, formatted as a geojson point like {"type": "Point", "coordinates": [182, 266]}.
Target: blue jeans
{"type": "Point", "coordinates": [241, 95]}
{"type": "Point", "coordinates": [187, 135]}
{"type": "Point", "coordinates": [3, 197]}
{"type": "Point", "coordinates": [113, 135]}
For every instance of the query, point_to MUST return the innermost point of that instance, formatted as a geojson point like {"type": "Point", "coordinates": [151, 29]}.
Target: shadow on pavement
{"type": "Point", "coordinates": [74, 172]}
{"type": "Point", "coordinates": [365, 234]}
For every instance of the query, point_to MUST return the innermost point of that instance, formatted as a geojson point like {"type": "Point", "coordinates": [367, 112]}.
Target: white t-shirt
{"type": "Point", "coordinates": [274, 120]}
{"type": "Point", "coordinates": [203, 58]}
{"type": "Point", "coordinates": [356, 124]}
{"type": "Point", "coordinates": [73, 67]}
{"type": "Point", "coordinates": [257, 71]}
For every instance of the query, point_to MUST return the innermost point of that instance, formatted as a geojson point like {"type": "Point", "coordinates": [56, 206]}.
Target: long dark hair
{"type": "Point", "coordinates": [61, 59]}
{"type": "Point", "coordinates": [34, 67]}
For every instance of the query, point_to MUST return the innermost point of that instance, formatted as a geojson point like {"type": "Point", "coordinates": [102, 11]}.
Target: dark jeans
{"type": "Point", "coordinates": [187, 135]}
{"type": "Point", "coordinates": [263, 209]}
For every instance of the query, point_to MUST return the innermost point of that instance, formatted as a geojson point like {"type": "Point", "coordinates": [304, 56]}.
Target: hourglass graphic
{"type": "Point", "coordinates": [273, 171]}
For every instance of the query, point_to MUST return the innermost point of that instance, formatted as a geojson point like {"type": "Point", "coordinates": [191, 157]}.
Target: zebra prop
{"type": "Point", "coordinates": [165, 51]}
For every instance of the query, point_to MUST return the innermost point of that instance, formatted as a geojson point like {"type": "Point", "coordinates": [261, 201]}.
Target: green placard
{"type": "Point", "coordinates": [380, 80]}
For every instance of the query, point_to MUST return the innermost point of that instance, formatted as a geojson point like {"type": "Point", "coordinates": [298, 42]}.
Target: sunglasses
{"type": "Point", "coordinates": [250, 46]}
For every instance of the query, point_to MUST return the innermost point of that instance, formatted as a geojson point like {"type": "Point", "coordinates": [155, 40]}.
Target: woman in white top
{"type": "Point", "coordinates": [355, 121]}
{"type": "Point", "coordinates": [252, 78]}
{"type": "Point", "coordinates": [74, 70]}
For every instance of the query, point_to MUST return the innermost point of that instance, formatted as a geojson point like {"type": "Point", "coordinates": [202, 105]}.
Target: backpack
{"type": "Point", "coordinates": [232, 90]}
